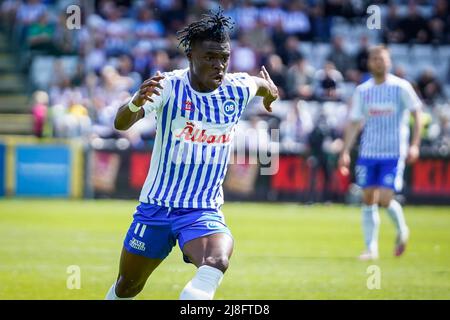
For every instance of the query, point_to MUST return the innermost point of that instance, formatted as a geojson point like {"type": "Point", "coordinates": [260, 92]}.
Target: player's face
{"type": "Point", "coordinates": [379, 62]}
{"type": "Point", "coordinates": [209, 62]}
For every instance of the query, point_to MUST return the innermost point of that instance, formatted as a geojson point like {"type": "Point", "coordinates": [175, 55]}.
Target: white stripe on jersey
{"type": "Point", "coordinates": [193, 141]}
{"type": "Point", "coordinates": [385, 108]}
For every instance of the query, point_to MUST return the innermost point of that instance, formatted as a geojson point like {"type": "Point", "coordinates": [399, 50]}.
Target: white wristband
{"type": "Point", "coordinates": [133, 107]}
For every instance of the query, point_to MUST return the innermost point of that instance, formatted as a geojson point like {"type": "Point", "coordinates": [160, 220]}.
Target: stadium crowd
{"type": "Point", "coordinates": [82, 76]}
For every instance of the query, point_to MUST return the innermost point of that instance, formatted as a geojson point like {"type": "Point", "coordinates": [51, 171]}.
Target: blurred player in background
{"type": "Point", "coordinates": [197, 109]}
{"type": "Point", "coordinates": [382, 107]}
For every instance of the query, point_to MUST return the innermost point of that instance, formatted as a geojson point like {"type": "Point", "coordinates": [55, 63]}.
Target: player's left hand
{"type": "Point", "coordinates": [413, 154]}
{"type": "Point", "coordinates": [272, 93]}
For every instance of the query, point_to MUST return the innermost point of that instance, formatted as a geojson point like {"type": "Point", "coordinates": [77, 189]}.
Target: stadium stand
{"type": "Point", "coordinates": [87, 73]}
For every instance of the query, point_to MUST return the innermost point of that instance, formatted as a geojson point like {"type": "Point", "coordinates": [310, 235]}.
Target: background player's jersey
{"type": "Point", "coordinates": [386, 109]}
{"type": "Point", "coordinates": [193, 140]}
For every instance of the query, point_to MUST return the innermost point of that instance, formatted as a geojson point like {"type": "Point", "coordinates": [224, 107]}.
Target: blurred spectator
{"type": "Point", "coordinates": [39, 110]}
{"type": "Point", "coordinates": [430, 89]}
{"type": "Point", "coordinates": [321, 159]}
{"type": "Point", "coordinates": [290, 52]}
{"type": "Point", "coordinates": [439, 24]}
{"type": "Point", "coordinates": [295, 21]}
{"type": "Point", "coordinates": [413, 26]}
{"type": "Point", "coordinates": [147, 27]}
{"type": "Point", "coordinates": [117, 32]}
{"type": "Point", "coordinates": [30, 11]}
{"type": "Point", "coordinates": [243, 58]}
{"type": "Point", "coordinates": [328, 83]}
{"type": "Point", "coordinates": [296, 127]}
{"type": "Point", "coordinates": [277, 71]}
{"type": "Point", "coordinates": [96, 57]}
{"type": "Point", "coordinates": [300, 80]}
{"type": "Point", "coordinates": [259, 38]}
{"type": "Point", "coordinates": [246, 16]}
{"type": "Point", "coordinates": [320, 24]}
{"type": "Point", "coordinates": [342, 60]}
{"type": "Point", "coordinates": [362, 58]}
{"type": "Point", "coordinates": [399, 71]}
{"type": "Point", "coordinates": [272, 14]}
{"type": "Point", "coordinates": [40, 35]}
{"type": "Point", "coordinates": [393, 32]}
{"type": "Point", "coordinates": [174, 16]}
{"type": "Point", "coordinates": [125, 68]}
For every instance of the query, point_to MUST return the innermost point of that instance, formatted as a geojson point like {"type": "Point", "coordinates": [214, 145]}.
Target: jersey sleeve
{"type": "Point", "coordinates": [356, 110]}
{"type": "Point", "coordinates": [410, 98]}
{"type": "Point", "coordinates": [249, 83]}
{"type": "Point", "coordinates": [158, 101]}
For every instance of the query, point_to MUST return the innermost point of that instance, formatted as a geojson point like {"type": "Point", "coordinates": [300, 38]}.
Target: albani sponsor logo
{"type": "Point", "coordinates": [136, 244]}
{"type": "Point", "coordinates": [380, 112]}
{"type": "Point", "coordinates": [192, 133]}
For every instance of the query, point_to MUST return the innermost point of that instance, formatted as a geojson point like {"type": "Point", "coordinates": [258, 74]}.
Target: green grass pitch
{"type": "Point", "coordinates": [282, 251]}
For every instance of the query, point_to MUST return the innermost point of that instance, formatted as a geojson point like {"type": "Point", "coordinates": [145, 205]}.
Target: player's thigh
{"type": "Point", "coordinates": [144, 247]}
{"type": "Point", "coordinates": [391, 175]}
{"type": "Point", "coordinates": [370, 195]}
{"type": "Point", "coordinates": [136, 268]}
{"type": "Point", "coordinates": [386, 195]}
{"type": "Point", "coordinates": [365, 173]}
{"type": "Point", "coordinates": [214, 250]}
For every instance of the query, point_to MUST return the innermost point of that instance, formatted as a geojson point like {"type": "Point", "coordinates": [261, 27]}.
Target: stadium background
{"type": "Point", "coordinates": [60, 89]}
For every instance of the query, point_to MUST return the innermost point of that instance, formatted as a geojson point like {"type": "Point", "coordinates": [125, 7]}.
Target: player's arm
{"type": "Point", "coordinates": [413, 152]}
{"type": "Point", "coordinates": [351, 133]}
{"type": "Point", "coordinates": [354, 126]}
{"type": "Point", "coordinates": [130, 113]}
{"type": "Point", "coordinates": [266, 88]}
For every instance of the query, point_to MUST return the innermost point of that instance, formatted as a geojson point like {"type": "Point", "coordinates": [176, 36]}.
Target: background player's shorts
{"type": "Point", "coordinates": [382, 173]}
{"type": "Point", "coordinates": [155, 229]}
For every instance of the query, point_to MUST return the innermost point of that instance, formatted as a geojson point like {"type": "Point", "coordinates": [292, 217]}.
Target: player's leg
{"type": "Point", "coordinates": [370, 222]}
{"type": "Point", "coordinates": [366, 172]}
{"type": "Point", "coordinates": [148, 242]}
{"type": "Point", "coordinates": [205, 241]}
{"type": "Point", "coordinates": [134, 271]}
{"type": "Point", "coordinates": [392, 181]}
{"type": "Point", "coordinates": [210, 254]}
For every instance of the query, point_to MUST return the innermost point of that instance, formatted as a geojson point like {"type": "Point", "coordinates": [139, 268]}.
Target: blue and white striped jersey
{"type": "Point", "coordinates": [385, 108]}
{"type": "Point", "coordinates": [193, 140]}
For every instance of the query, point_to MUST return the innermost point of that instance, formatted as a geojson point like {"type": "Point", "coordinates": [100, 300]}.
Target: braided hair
{"type": "Point", "coordinates": [213, 26]}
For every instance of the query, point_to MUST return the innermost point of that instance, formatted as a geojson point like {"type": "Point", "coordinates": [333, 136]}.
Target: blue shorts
{"type": "Point", "coordinates": [155, 229]}
{"type": "Point", "coordinates": [381, 173]}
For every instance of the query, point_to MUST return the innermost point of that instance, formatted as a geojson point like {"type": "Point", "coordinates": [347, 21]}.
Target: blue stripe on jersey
{"type": "Point", "coordinates": [191, 162]}
{"type": "Point", "coordinates": [222, 170]}
{"type": "Point", "coordinates": [207, 109]}
{"type": "Point", "coordinates": [173, 163]}
{"type": "Point", "coordinates": [198, 176]}
{"type": "Point", "coordinates": [161, 138]}
{"type": "Point", "coordinates": [182, 166]}
{"type": "Point", "coordinates": [199, 108]}
{"type": "Point", "coordinates": [209, 164]}
{"type": "Point", "coordinates": [231, 94]}
{"type": "Point", "coordinates": [194, 107]}
{"type": "Point", "coordinates": [216, 174]}
{"type": "Point", "coordinates": [241, 97]}
{"type": "Point", "coordinates": [169, 141]}
{"type": "Point", "coordinates": [216, 109]}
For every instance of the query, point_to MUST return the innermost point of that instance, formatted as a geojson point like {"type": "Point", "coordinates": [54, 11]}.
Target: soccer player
{"type": "Point", "coordinates": [381, 107]}
{"type": "Point", "coordinates": [197, 110]}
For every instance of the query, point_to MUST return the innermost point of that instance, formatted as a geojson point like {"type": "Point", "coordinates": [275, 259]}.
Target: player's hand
{"type": "Point", "coordinates": [413, 154]}
{"type": "Point", "coordinates": [272, 94]}
{"type": "Point", "coordinates": [344, 163]}
{"type": "Point", "coordinates": [147, 89]}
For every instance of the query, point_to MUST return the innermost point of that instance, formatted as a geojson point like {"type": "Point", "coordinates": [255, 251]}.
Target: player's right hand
{"type": "Point", "coordinates": [344, 163]}
{"type": "Point", "coordinates": [147, 89]}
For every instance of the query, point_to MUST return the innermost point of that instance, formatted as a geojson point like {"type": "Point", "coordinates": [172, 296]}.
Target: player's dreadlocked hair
{"type": "Point", "coordinates": [212, 26]}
